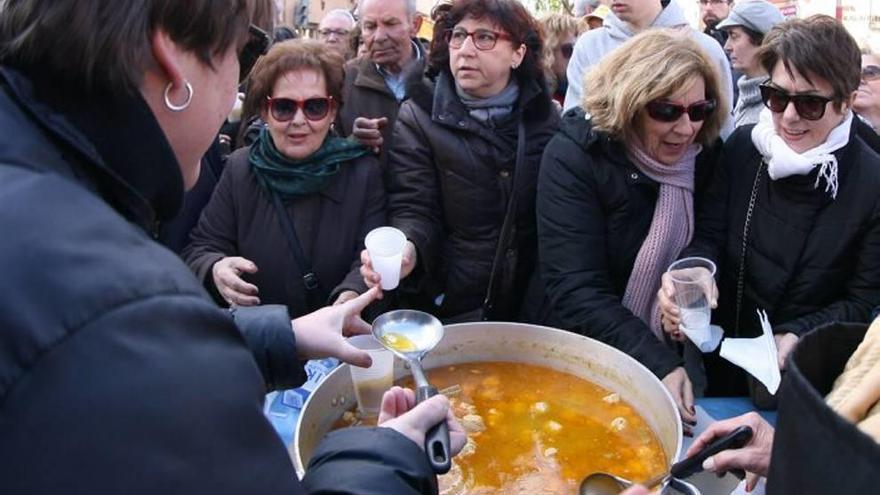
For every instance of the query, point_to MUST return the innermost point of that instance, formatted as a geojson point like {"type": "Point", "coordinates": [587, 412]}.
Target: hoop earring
{"type": "Point", "coordinates": [182, 106]}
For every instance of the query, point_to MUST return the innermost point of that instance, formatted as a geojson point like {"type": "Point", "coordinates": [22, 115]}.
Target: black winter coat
{"type": "Point", "coordinates": [594, 212]}
{"type": "Point", "coordinates": [809, 259]}
{"type": "Point", "coordinates": [241, 220]}
{"type": "Point", "coordinates": [450, 179]}
{"type": "Point", "coordinates": [118, 374]}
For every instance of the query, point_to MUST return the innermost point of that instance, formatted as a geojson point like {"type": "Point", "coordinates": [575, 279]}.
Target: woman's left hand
{"type": "Point", "coordinates": [785, 343]}
{"type": "Point", "coordinates": [322, 333]}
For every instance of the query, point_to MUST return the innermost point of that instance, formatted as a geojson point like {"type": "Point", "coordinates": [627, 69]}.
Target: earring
{"type": "Point", "coordinates": [182, 106]}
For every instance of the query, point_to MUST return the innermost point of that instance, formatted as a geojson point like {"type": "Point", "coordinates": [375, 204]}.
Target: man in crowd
{"type": "Point", "coordinates": [627, 19]}
{"type": "Point", "coordinates": [374, 86]}
{"type": "Point", "coordinates": [334, 30]}
{"type": "Point", "coordinates": [712, 12]}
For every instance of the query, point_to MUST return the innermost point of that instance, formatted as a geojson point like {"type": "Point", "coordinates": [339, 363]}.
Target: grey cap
{"type": "Point", "coordinates": [757, 15]}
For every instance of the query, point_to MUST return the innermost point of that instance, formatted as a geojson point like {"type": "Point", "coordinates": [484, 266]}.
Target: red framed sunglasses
{"type": "Point", "coordinates": [284, 109]}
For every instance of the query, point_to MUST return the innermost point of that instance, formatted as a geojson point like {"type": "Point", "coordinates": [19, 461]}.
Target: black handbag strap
{"type": "Point", "coordinates": [507, 225]}
{"type": "Point", "coordinates": [310, 279]}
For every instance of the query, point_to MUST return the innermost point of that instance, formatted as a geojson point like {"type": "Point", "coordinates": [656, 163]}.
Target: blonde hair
{"type": "Point", "coordinates": [557, 28]}
{"type": "Point", "coordinates": [651, 66]}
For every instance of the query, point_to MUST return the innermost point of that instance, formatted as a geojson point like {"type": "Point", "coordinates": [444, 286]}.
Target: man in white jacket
{"type": "Point", "coordinates": [627, 19]}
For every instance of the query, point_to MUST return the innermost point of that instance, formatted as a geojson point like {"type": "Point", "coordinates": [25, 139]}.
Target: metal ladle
{"type": "Point", "coordinates": [608, 484]}
{"type": "Point", "coordinates": [411, 335]}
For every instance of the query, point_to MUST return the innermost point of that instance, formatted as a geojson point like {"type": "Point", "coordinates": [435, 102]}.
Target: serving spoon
{"type": "Point", "coordinates": [609, 484]}
{"type": "Point", "coordinates": [411, 335]}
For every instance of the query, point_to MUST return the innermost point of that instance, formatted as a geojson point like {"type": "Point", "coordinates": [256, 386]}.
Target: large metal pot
{"type": "Point", "coordinates": [515, 342]}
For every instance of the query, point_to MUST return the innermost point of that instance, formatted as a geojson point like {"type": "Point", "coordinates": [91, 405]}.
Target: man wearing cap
{"type": "Point", "coordinates": [627, 19]}
{"type": "Point", "coordinates": [745, 27]}
{"type": "Point", "coordinates": [713, 12]}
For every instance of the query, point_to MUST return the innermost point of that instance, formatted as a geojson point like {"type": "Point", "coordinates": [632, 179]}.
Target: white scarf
{"type": "Point", "coordinates": [783, 162]}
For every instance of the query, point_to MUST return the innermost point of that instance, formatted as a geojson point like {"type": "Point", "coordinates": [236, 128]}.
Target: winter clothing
{"type": "Point", "coordinates": [241, 220]}
{"type": "Point", "coordinates": [672, 228]}
{"type": "Point", "coordinates": [809, 258]}
{"type": "Point", "coordinates": [595, 44]}
{"type": "Point", "coordinates": [758, 15]}
{"type": "Point", "coordinates": [815, 450]}
{"type": "Point", "coordinates": [450, 181]}
{"type": "Point", "coordinates": [292, 179]}
{"type": "Point", "coordinates": [595, 209]}
{"type": "Point", "coordinates": [784, 162]}
{"type": "Point", "coordinates": [366, 94]}
{"type": "Point", "coordinates": [117, 372]}
{"type": "Point", "coordinates": [749, 104]}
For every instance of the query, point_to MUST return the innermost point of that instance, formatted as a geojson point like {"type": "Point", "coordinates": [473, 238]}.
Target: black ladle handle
{"type": "Point", "coordinates": [437, 438]}
{"type": "Point", "coordinates": [736, 439]}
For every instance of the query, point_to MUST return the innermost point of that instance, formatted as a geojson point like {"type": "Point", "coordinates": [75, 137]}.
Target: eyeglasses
{"type": "Point", "coordinates": [284, 109]}
{"type": "Point", "coordinates": [810, 107]}
{"type": "Point", "coordinates": [483, 39]}
{"type": "Point", "coordinates": [255, 47]}
{"type": "Point", "coordinates": [325, 33]}
{"type": "Point", "coordinates": [870, 72]}
{"type": "Point", "coordinates": [713, 2]}
{"type": "Point", "coordinates": [664, 111]}
{"type": "Point", "coordinates": [567, 49]}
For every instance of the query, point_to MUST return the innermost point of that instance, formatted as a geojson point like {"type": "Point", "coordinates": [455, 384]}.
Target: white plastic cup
{"type": "Point", "coordinates": [692, 278]}
{"type": "Point", "coordinates": [385, 245]}
{"type": "Point", "coordinates": [371, 383]}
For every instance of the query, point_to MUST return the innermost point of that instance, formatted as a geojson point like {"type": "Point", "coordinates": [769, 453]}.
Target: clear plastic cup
{"type": "Point", "coordinates": [692, 279]}
{"type": "Point", "coordinates": [371, 383]}
{"type": "Point", "coordinates": [385, 245]}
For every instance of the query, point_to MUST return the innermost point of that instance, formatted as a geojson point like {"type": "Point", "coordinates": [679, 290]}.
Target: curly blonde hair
{"type": "Point", "coordinates": [557, 28]}
{"type": "Point", "coordinates": [653, 65]}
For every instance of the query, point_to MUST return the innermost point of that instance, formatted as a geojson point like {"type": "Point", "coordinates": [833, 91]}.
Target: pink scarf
{"type": "Point", "coordinates": [671, 230]}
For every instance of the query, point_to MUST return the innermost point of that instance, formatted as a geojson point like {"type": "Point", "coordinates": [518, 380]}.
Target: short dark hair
{"type": "Point", "coordinates": [105, 44]}
{"type": "Point", "coordinates": [817, 46]}
{"type": "Point", "coordinates": [289, 56]}
{"type": "Point", "coordinates": [510, 16]}
{"type": "Point", "coordinates": [755, 37]}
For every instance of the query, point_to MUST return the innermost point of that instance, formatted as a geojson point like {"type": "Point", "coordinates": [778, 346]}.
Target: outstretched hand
{"type": "Point", "coordinates": [322, 333]}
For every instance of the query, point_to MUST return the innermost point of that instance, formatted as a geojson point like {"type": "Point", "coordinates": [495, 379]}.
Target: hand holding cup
{"type": "Point", "coordinates": [389, 258]}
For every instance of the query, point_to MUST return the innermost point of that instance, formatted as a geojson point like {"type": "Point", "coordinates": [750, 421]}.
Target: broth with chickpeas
{"type": "Point", "coordinates": [534, 430]}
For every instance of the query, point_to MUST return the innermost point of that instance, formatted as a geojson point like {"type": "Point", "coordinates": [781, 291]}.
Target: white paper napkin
{"type": "Point", "coordinates": [757, 355]}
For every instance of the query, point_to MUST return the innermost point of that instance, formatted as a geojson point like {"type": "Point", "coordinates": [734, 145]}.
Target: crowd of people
{"type": "Point", "coordinates": [544, 171]}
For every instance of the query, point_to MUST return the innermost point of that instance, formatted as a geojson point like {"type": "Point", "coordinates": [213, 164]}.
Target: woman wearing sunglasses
{"type": "Point", "coordinates": [618, 190]}
{"type": "Point", "coordinates": [792, 218]}
{"type": "Point", "coordinates": [462, 171]}
{"type": "Point", "coordinates": [867, 101]}
{"type": "Point", "coordinates": [288, 219]}
{"type": "Point", "coordinates": [560, 31]}
{"type": "Point", "coordinates": [119, 374]}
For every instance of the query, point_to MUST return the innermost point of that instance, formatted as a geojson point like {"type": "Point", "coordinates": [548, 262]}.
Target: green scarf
{"type": "Point", "coordinates": [292, 179]}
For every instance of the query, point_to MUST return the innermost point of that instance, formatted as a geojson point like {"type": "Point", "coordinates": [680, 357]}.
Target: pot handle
{"type": "Point", "coordinates": [683, 487]}
{"type": "Point", "coordinates": [437, 438]}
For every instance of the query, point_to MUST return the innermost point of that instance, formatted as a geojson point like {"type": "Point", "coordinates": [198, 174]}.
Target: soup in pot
{"type": "Point", "coordinates": [534, 430]}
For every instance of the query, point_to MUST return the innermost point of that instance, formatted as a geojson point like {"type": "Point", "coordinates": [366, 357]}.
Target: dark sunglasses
{"type": "Point", "coordinates": [567, 49]}
{"type": "Point", "coordinates": [870, 72]}
{"type": "Point", "coordinates": [255, 47]}
{"type": "Point", "coordinates": [810, 107]}
{"type": "Point", "coordinates": [284, 109]}
{"type": "Point", "coordinates": [670, 112]}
